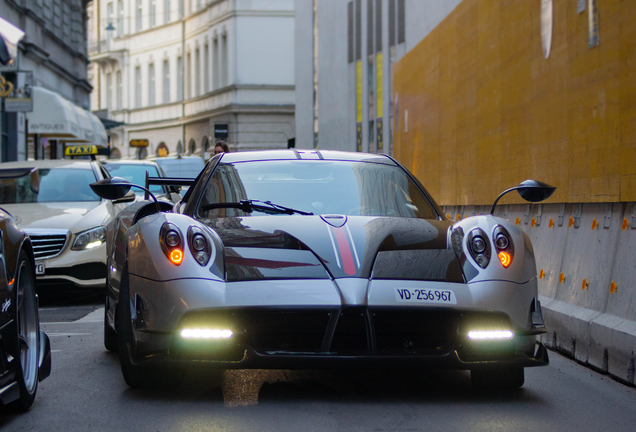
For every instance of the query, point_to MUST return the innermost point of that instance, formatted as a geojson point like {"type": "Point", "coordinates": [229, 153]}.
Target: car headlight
{"type": "Point", "coordinates": [90, 238]}
{"type": "Point", "coordinates": [479, 247]}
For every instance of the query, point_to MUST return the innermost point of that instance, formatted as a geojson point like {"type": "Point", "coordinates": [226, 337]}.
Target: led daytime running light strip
{"type": "Point", "coordinates": [206, 334]}
{"type": "Point", "coordinates": [497, 334]}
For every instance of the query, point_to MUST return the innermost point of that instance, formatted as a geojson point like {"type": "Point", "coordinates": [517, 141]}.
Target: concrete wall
{"type": "Point", "coordinates": [587, 277]}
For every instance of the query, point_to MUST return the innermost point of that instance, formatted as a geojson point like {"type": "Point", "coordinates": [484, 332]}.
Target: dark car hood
{"type": "Point", "coordinates": [348, 250]}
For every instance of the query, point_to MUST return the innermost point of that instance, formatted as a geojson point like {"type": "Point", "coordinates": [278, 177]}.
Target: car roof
{"type": "Point", "coordinates": [129, 162]}
{"type": "Point", "coordinates": [305, 154]}
{"type": "Point", "coordinates": [53, 163]}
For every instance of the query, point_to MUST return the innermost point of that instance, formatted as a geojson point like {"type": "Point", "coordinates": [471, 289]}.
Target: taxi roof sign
{"type": "Point", "coordinates": [139, 143]}
{"type": "Point", "coordinates": [80, 150]}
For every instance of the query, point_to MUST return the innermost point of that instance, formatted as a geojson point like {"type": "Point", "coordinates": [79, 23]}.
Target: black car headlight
{"type": "Point", "coordinates": [89, 239]}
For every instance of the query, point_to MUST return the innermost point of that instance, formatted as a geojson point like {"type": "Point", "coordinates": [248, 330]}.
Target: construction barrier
{"type": "Point", "coordinates": [587, 277]}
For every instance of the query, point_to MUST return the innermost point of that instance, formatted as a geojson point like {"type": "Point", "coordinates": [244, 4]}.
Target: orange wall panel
{"type": "Point", "coordinates": [486, 110]}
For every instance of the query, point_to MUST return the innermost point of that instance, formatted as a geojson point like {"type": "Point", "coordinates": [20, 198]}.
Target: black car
{"type": "Point", "coordinates": [25, 354]}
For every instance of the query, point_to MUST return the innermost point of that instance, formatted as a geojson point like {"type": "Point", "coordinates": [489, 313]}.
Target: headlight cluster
{"type": "Point", "coordinates": [199, 245]}
{"type": "Point", "coordinates": [172, 244]}
{"type": "Point", "coordinates": [89, 239]}
{"type": "Point", "coordinates": [503, 244]}
{"type": "Point", "coordinates": [479, 247]}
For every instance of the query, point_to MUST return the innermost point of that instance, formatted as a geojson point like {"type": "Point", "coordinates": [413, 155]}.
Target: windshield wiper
{"type": "Point", "coordinates": [249, 206]}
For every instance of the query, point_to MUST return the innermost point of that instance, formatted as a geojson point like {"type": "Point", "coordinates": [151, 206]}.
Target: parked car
{"type": "Point", "coordinates": [135, 172]}
{"type": "Point", "coordinates": [25, 353]}
{"type": "Point", "coordinates": [312, 259]}
{"type": "Point", "coordinates": [66, 220]}
{"type": "Point", "coordinates": [181, 167]}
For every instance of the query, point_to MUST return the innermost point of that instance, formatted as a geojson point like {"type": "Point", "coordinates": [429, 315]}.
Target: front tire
{"type": "Point", "coordinates": [28, 335]}
{"type": "Point", "coordinates": [497, 378]}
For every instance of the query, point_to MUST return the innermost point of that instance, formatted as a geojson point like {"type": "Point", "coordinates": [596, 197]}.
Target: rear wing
{"type": "Point", "coordinates": [166, 181]}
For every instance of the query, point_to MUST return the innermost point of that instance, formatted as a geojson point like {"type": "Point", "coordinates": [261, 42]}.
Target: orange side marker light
{"type": "Point", "coordinates": [594, 224]}
{"type": "Point", "coordinates": [533, 223]}
{"type": "Point", "coordinates": [176, 256]}
{"type": "Point", "coordinates": [505, 259]}
{"type": "Point", "coordinates": [551, 224]}
{"type": "Point", "coordinates": [571, 222]}
{"type": "Point", "coordinates": [585, 284]}
{"type": "Point", "coordinates": [625, 224]}
{"type": "Point", "coordinates": [561, 278]}
{"type": "Point", "coordinates": [613, 288]}
{"type": "Point", "coordinates": [458, 217]}
{"type": "Point", "coordinates": [541, 274]}
{"type": "Point", "coordinates": [447, 216]}
{"type": "Point", "coordinates": [517, 222]}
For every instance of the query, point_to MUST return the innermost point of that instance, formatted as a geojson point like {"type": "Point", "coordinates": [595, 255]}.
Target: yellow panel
{"type": "Point", "coordinates": [486, 110]}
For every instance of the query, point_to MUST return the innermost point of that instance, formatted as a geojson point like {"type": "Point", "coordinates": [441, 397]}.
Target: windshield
{"type": "Point", "coordinates": [136, 174]}
{"type": "Point", "coordinates": [318, 187]}
{"type": "Point", "coordinates": [182, 168]}
{"type": "Point", "coordinates": [56, 185]}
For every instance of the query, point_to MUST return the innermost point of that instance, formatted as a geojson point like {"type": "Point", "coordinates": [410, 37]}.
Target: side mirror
{"type": "Point", "coordinates": [129, 197]}
{"type": "Point", "coordinates": [530, 190]}
{"type": "Point", "coordinates": [112, 188]}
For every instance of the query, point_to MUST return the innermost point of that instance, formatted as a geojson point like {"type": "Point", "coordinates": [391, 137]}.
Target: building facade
{"type": "Point", "coordinates": [344, 67]}
{"type": "Point", "coordinates": [53, 57]}
{"type": "Point", "coordinates": [183, 74]}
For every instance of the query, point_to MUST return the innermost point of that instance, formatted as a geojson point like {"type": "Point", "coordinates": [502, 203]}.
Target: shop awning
{"type": "Point", "coordinates": [54, 117]}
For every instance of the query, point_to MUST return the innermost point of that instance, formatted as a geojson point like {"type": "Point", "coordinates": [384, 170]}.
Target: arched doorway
{"type": "Point", "coordinates": [205, 143]}
{"type": "Point", "coordinates": [115, 153]}
{"type": "Point", "coordinates": [162, 150]}
{"type": "Point", "coordinates": [179, 148]}
{"type": "Point", "coordinates": [192, 146]}
{"type": "Point", "coordinates": [142, 153]}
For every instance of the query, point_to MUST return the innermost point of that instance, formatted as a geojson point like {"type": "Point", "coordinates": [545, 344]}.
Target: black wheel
{"type": "Point", "coordinates": [110, 335]}
{"type": "Point", "coordinates": [28, 335]}
{"type": "Point", "coordinates": [497, 378]}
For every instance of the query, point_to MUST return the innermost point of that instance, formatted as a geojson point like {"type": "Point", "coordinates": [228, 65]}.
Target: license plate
{"type": "Point", "coordinates": [39, 268]}
{"type": "Point", "coordinates": [412, 295]}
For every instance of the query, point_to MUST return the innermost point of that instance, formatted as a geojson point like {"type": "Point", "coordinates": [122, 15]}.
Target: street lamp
{"type": "Point", "coordinates": [110, 27]}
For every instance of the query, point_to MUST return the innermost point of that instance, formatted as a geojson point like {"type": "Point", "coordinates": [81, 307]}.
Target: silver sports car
{"type": "Point", "coordinates": [318, 259]}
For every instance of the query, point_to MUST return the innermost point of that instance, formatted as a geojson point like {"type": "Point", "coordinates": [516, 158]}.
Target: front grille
{"type": "Point", "coordinates": [47, 245]}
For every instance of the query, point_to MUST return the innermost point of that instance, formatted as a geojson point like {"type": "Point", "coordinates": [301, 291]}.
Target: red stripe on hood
{"type": "Point", "coordinates": [345, 251]}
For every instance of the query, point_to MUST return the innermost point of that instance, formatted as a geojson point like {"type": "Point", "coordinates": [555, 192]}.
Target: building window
{"type": "Point", "coordinates": [224, 62]}
{"type": "Point", "coordinates": [166, 81]}
{"type": "Point", "coordinates": [166, 11]}
{"type": "Point", "coordinates": [350, 32]}
{"type": "Point", "coordinates": [109, 91]}
{"type": "Point", "coordinates": [109, 19]}
{"type": "Point", "coordinates": [120, 18]}
{"type": "Point", "coordinates": [138, 87]}
{"type": "Point", "coordinates": [151, 84]}
{"type": "Point", "coordinates": [206, 68]}
{"type": "Point", "coordinates": [215, 64]}
{"type": "Point", "coordinates": [120, 90]}
{"type": "Point", "coordinates": [197, 72]}
{"type": "Point", "coordinates": [188, 76]}
{"type": "Point", "coordinates": [401, 36]}
{"type": "Point", "coordinates": [180, 9]}
{"type": "Point", "coordinates": [139, 15]}
{"type": "Point", "coordinates": [153, 12]}
{"type": "Point", "coordinates": [179, 78]}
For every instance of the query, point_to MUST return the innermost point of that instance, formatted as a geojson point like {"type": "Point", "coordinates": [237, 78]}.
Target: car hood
{"type": "Point", "coordinates": [346, 246]}
{"type": "Point", "coordinates": [74, 216]}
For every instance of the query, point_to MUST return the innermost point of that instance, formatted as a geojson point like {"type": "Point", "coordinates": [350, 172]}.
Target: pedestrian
{"type": "Point", "coordinates": [221, 147]}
